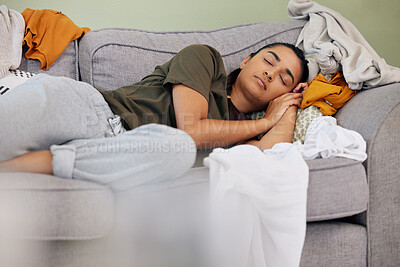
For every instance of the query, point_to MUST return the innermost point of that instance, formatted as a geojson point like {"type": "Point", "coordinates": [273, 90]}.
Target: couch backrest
{"type": "Point", "coordinates": [112, 58]}
{"type": "Point", "coordinates": [65, 65]}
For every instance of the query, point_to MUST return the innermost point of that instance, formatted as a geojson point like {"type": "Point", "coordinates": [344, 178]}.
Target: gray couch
{"type": "Point", "coordinates": [352, 209]}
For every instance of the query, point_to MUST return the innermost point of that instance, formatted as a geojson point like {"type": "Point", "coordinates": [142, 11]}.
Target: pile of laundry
{"type": "Point", "coordinates": [46, 33]}
{"type": "Point", "coordinates": [332, 43]}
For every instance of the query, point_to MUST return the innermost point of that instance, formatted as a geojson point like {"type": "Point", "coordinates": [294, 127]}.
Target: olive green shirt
{"type": "Point", "coordinates": [199, 67]}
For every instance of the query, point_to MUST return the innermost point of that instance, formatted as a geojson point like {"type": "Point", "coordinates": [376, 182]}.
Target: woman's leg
{"type": "Point", "coordinates": [37, 162]}
{"type": "Point", "coordinates": [48, 110]}
{"type": "Point", "coordinates": [148, 154]}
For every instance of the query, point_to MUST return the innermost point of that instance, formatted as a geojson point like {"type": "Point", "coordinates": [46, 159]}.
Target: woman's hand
{"type": "Point", "coordinates": [300, 88]}
{"type": "Point", "coordinates": [278, 106]}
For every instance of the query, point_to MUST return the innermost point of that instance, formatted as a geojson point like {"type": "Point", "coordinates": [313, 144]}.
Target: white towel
{"type": "Point", "coordinates": [329, 39]}
{"type": "Point", "coordinates": [259, 206]}
{"type": "Point", "coordinates": [12, 28]}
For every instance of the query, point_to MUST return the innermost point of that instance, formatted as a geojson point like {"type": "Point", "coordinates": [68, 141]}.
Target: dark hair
{"type": "Point", "coordinates": [303, 62]}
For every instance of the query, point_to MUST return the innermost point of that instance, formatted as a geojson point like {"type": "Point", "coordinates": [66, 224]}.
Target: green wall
{"type": "Point", "coordinates": [378, 21]}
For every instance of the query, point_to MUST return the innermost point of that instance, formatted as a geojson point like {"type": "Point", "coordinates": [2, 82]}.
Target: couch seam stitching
{"type": "Point", "coordinates": [174, 52]}
{"type": "Point", "coordinates": [346, 164]}
{"type": "Point", "coordinates": [195, 31]}
{"type": "Point", "coordinates": [349, 212]}
{"type": "Point", "coordinates": [54, 190]}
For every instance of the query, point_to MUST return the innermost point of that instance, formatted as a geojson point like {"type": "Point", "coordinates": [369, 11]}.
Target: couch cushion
{"type": "Point", "coordinates": [66, 65]}
{"type": "Point", "coordinates": [112, 58]}
{"type": "Point", "coordinates": [335, 243]}
{"type": "Point", "coordinates": [45, 207]}
{"type": "Point", "coordinates": [337, 187]}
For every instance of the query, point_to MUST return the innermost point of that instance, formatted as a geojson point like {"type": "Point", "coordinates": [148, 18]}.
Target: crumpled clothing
{"type": "Point", "coordinates": [329, 96]}
{"type": "Point", "coordinates": [325, 139]}
{"type": "Point", "coordinates": [47, 34]}
{"type": "Point", "coordinates": [329, 57]}
{"type": "Point", "coordinates": [12, 32]}
{"type": "Point", "coordinates": [328, 37]}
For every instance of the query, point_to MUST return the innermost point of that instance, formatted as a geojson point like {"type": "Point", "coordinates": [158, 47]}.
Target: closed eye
{"type": "Point", "coordinates": [283, 81]}
{"type": "Point", "coordinates": [268, 61]}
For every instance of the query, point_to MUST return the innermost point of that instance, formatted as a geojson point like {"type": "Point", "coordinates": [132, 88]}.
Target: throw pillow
{"type": "Point", "coordinates": [303, 120]}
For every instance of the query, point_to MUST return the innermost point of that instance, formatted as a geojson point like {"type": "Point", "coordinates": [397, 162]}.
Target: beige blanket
{"type": "Point", "coordinates": [12, 27]}
{"type": "Point", "coordinates": [332, 43]}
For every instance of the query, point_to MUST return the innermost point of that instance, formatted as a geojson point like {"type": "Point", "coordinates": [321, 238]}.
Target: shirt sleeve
{"type": "Point", "coordinates": [195, 66]}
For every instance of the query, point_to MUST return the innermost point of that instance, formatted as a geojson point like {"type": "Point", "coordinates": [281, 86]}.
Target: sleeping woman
{"type": "Point", "coordinates": [59, 126]}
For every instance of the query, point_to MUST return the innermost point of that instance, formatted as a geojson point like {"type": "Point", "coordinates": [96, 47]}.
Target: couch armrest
{"type": "Point", "coordinates": [375, 114]}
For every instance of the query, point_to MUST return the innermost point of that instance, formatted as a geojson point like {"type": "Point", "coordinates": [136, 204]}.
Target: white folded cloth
{"type": "Point", "coordinates": [12, 28]}
{"type": "Point", "coordinates": [329, 39]}
{"type": "Point", "coordinates": [259, 204]}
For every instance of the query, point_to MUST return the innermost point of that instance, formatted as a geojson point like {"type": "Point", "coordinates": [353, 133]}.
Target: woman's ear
{"type": "Point", "coordinates": [244, 62]}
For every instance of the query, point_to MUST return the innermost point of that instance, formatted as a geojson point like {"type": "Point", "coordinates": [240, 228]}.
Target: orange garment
{"type": "Point", "coordinates": [328, 96]}
{"type": "Point", "coordinates": [47, 34]}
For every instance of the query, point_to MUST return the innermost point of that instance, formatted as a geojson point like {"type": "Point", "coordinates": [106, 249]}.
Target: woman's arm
{"type": "Point", "coordinates": [191, 110]}
{"type": "Point", "coordinates": [281, 132]}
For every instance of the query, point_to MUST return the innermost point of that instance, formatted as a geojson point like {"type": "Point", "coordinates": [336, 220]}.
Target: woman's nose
{"type": "Point", "coordinates": [269, 76]}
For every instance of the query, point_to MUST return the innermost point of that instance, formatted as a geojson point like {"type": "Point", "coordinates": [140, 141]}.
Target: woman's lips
{"type": "Point", "coordinates": [261, 82]}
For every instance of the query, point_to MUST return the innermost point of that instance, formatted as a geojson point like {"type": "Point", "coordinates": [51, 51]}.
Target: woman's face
{"type": "Point", "coordinates": [269, 74]}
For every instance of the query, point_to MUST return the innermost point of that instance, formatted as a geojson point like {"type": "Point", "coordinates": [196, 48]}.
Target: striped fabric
{"type": "Point", "coordinates": [3, 89]}
{"type": "Point", "coordinates": [13, 79]}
